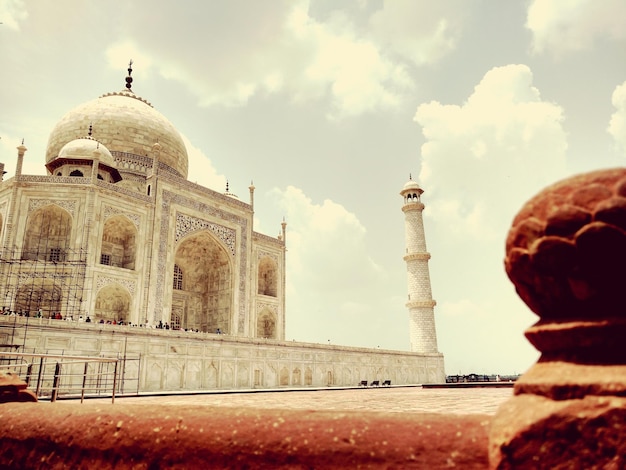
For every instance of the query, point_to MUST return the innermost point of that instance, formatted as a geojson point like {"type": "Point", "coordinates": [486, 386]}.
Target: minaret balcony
{"type": "Point", "coordinates": [413, 206]}
{"type": "Point", "coordinates": [417, 256]}
{"type": "Point", "coordinates": [421, 303]}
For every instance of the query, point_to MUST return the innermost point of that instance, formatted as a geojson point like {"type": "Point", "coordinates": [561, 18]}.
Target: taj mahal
{"type": "Point", "coordinates": [144, 263]}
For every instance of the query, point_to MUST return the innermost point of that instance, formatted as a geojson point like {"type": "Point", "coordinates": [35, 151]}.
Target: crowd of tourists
{"type": "Point", "coordinates": [57, 316]}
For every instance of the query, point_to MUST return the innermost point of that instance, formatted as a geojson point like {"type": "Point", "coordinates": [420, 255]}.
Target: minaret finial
{"type": "Point", "coordinates": [226, 185]}
{"type": "Point", "coordinates": [90, 129]}
{"type": "Point", "coordinates": [410, 177]}
{"type": "Point", "coordinates": [22, 140]}
{"type": "Point", "coordinates": [129, 79]}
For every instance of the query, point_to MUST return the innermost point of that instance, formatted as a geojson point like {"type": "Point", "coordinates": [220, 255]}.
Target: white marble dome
{"type": "Point", "coordinates": [125, 124]}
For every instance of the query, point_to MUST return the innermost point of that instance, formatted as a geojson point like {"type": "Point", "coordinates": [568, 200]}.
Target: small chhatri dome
{"type": "Point", "coordinates": [411, 186]}
{"type": "Point", "coordinates": [127, 125]}
{"type": "Point", "coordinates": [84, 148]}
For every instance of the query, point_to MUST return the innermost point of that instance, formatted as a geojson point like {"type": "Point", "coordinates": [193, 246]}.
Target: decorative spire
{"type": "Point", "coordinates": [129, 79]}
{"type": "Point", "coordinates": [283, 235]}
{"type": "Point", "coordinates": [226, 186]}
{"type": "Point", "coordinates": [90, 130]}
{"type": "Point", "coordinates": [410, 177]}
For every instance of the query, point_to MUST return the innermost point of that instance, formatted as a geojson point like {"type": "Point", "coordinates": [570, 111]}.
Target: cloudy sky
{"type": "Point", "coordinates": [328, 106]}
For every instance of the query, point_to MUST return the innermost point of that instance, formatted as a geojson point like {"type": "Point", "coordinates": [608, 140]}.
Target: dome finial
{"type": "Point", "coordinates": [90, 129]}
{"type": "Point", "coordinates": [410, 177]}
{"type": "Point", "coordinates": [129, 79]}
{"type": "Point", "coordinates": [227, 186]}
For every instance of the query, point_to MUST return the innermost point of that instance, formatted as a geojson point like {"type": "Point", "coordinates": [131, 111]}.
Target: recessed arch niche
{"type": "Point", "coordinates": [205, 302]}
{"type": "Point", "coordinates": [266, 324]}
{"type": "Point", "coordinates": [112, 304]}
{"type": "Point", "coordinates": [47, 234]}
{"type": "Point", "coordinates": [119, 243]}
{"type": "Point", "coordinates": [268, 277]}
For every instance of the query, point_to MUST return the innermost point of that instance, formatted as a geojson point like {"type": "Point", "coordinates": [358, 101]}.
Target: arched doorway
{"type": "Point", "coordinates": [202, 297]}
{"type": "Point", "coordinates": [112, 304]}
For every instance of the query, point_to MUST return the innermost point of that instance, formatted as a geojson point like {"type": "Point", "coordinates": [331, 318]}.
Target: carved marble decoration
{"type": "Point", "coordinates": [68, 205]}
{"type": "Point", "coordinates": [186, 224]}
{"type": "Point", "coordinates": [272, 307]}
{"type": "Point", "coordinates": [266, 254]}
{"type": "Point", "coordinates": [55, 179]}
{"type": "Point", "coordinates": [134, 218]}
{"type": "Point", "coordinates": [103, 281]}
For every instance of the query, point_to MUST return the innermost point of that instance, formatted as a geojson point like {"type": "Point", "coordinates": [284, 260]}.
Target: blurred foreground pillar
{"type": "Point", "coordinates": [566, 255]}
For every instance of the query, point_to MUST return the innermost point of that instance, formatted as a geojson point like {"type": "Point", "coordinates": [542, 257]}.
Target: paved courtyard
{"type": "Point", "coordinates": [394, 400]}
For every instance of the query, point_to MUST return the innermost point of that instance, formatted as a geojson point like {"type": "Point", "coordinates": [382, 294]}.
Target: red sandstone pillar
{"type": "Point", "coordinates": [566, 255]}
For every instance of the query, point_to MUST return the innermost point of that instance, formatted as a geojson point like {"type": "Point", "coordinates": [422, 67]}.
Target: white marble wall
{"type": "Point", "coordinates": [176, 360]}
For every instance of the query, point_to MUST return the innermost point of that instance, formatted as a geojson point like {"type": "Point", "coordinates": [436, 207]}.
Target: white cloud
{"type": "Point", "coordinates": [571, 25]}
{"type": "Point", "coordinates": [617, 125]}
{"type": "Point", "coordinates": [359, 77]}
{"type": "Point", "coordinates": [326, 244]}
{"type": "Point", "coordinates": [327, 270]}
{"type": "Point", "coordinates": [422, 32]}
{"type": "Point", "coordinates": [12, 13]}
{"type": "Point", "coordinates": [273, 48]}
{"type": "Point", "coordinates": [201, 169]}
{"type": "Point", "coordinates": [482, 159]}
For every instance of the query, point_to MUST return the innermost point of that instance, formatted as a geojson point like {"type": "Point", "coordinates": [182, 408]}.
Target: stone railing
{"type": "Point", "coordinates": [566, 255]}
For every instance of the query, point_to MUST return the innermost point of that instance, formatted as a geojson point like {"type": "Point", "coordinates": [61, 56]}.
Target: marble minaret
{"type": "Point", "coordinates": [420, 302]}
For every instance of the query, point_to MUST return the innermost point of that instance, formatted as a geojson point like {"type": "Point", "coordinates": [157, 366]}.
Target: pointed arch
{"type": "Point", "coordinates": [296, 376]}
{"type": "Point", "coordinates": [267, 277]}
{"type": "Point", "coordinates": [47, 235]}
{"type": "Point", "coordinates": [266, 324]}
{"type": "Point", "coordinates": [205, 299]}
{"type": "Point", "coordinates": [113, 303]}
{"type": "Point", "coordinates": [119, 243]}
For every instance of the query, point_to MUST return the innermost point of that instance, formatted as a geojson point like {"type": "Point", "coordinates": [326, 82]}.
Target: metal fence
{"type": "Point", "coordinates": [54, 376]}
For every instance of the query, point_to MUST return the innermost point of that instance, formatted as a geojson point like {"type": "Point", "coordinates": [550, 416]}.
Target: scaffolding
{"type": "Point", "coordinates": [44, 287]}
{"type": "Point", "coordinates": [45, 276]}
